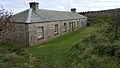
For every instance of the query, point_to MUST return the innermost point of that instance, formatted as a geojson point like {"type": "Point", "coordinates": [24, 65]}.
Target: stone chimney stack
{"type": "Point", "coordinates": [73, 10]}
{"type": "Point", "coordinates": [34, 5]}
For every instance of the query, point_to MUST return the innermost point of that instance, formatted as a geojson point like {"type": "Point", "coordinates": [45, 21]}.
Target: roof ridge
{"type": "Point", "coordinates": [54, 10]}
{"type": "Point", "coordinates": [42, 15]}
{"type": "Point", "coordinates": [29, 16]}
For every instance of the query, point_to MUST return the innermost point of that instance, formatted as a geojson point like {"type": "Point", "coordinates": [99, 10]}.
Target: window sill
{"type": "Point", "coordinates": [56, 33]}
{"type": "Point", "coordinates": [41, 38]}
{"type": "Point", "coordinates": [64, 30]}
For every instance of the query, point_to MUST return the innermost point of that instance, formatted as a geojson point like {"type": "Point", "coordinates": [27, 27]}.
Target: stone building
{"type": "Point", "coordinates": [36, 25]}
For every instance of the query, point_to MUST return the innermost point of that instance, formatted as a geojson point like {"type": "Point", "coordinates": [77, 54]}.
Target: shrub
{"type": "Point", "coordinates": [90, 39]}
{"type": "Point", "coordinates": [107, 50]}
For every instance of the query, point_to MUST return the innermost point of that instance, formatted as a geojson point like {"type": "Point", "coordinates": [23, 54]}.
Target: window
{"type": "Point", "coordinates": [65, 27]}
{"type": "Point", "coordinates": [56, 29]}
{"type": "Point", "coordinates": [80, 23]}
{"type": "Point", "coordinates": [69, 26]}
{"type": "Point", "coordinates": [74, 24]}
{"type": "Point", "coordinates": [77, 24]}
{"type": "Point", "coordinates": [40, 32]}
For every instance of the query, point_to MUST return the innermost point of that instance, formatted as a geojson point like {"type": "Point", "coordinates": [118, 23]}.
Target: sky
{"type": "Point", "coordinates": [61, 5]}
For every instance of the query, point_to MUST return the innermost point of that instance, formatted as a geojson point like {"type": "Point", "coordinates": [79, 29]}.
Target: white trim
{"type": "Point", "coordinates": [40, 32]}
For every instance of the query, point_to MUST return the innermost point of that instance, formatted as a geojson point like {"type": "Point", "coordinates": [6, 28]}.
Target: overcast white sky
{"type": "Point", "coordinates": [62, 5]}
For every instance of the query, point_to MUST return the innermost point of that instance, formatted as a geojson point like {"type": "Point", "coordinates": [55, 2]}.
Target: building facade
{"type": "Point", "coordinates": [34, 25]}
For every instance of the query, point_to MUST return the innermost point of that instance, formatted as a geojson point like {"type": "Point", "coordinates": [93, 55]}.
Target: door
{"type": "Point", "coordinates": [71, 27]}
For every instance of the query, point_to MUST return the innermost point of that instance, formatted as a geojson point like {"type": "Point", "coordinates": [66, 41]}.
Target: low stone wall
{"type": "Point", "coordinates": [114, 12]}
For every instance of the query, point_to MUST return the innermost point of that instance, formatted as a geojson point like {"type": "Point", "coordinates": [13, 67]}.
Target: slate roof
{"type": "Point", "coordinates": [42, 15]}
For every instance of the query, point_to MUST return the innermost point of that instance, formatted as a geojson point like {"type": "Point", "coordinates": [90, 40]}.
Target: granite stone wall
{"type": "Point", "coordinates": [21, 34]}
{"type": "Point", "coordinates": [17, 35]}
{"type": "Point", "coordinates": [25, 34]}
{"type": "Point", "coordinates": [49, 29]}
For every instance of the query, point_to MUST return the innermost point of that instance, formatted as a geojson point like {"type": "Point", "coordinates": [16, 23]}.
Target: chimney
{"type": "Point", "coordinates": [73, 10]}
{"type": "Point", "coordinates": [34, 5]}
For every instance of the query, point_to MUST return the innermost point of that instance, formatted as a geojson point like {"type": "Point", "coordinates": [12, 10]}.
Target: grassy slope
{"type": "Point", "coordinates": [52, 54]}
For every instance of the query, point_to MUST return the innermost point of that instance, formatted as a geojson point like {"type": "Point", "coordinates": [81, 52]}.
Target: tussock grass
{"type": "Point", "coordinates": [53, 53]}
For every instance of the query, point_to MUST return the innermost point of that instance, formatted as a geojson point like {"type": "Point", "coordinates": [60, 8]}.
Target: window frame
{"type": "Point", "coordinates": [78, 24]}
{"type": "Point", "coordinates": [55, 29]}
{"type": "Point", "coordinates": [74, 26]}
{"type": "Point", "coordinates": [40, 32]}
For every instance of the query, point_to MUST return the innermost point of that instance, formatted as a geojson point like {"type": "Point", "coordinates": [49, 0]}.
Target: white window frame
{"type": "Point", "coordinates": [56, 29]}
{"type": "Point", "coordinates": [40, 32]}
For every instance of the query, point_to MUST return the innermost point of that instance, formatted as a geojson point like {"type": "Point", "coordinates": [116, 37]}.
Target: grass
{"type": "Point", "coordinates": [67, 51]}
{"type": "Point", "coordinates": [52, 54]}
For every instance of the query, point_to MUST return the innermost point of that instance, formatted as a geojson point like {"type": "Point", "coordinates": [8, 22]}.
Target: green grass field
{"type": "Point", "coordinates": [88, 47]}
{"type": "Point", "coordinates": [67, 51]}
{"type": "Point", "coordinates": [52, 54]}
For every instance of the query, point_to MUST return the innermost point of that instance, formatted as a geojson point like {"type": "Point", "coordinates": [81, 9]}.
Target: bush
{"type": "Point", "coordinates": [112, 50]}
{"type": "Point", "coordinates": [90, 39]}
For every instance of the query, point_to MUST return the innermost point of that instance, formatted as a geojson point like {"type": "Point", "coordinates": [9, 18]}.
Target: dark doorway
{"type": "Point", "coordinates": [71, 26]}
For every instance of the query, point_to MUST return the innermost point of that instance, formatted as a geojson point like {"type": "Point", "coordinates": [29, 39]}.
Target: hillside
{"type": "Point", "coordinates": [91, 47]}
{"type": "Point", "coordinates": [95, 46]}
{"type": "Point", "coordinates": [109, 13]}
{"type": "Point", "coordinates": [53, 54]}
